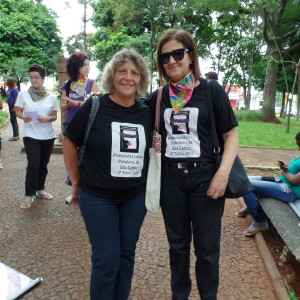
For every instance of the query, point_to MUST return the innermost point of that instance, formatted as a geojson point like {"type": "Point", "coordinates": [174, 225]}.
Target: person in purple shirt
{"type": "Point", "coordinates": [11, 96]}
{"type": "Point", "coordinates": [76, 88]}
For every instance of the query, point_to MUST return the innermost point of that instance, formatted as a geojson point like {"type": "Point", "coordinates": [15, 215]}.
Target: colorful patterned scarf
{"type": "Point", "coordinates": [181, 92]}
{"type": "Point", "coordinates": [79, 86]}
{"type": "Point", "coordinates": [37, 95]}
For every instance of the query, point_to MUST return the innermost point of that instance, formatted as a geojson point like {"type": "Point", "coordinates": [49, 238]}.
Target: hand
{"type": "Point", "coordinates": [26, 119]}
{"type": "Point", "coordinates": [43, 119]}
{"type": "Point", "coordinates": [88, 96]}
{"type": "Point", "coordinates": [74, 195]}
{"type": "Point", "coordinates": [282, 166]}
{"type": "Point", "coordinates": [65, 100]}
{"type": "Point", "coordinates": [217, 186]}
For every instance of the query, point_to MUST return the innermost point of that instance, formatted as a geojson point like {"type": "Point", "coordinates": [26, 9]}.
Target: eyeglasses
{"type": "Point", "coordinates": [177, 54]}
{"type": "Point", "coordinates": [34, 78]}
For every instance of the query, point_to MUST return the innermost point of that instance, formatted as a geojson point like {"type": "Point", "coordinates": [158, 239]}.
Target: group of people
{"type": "Point", "coordinates": [109, 185]}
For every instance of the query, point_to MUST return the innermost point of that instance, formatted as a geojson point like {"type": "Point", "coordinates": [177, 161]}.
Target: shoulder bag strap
{"type": "Point", "coordinates": [216, 146]}
{"type": "Point", "coordinates": [92, 116]}
{"type": "Point", "coordinates": [157, 109]}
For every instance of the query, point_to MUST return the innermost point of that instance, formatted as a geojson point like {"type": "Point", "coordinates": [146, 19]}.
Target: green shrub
{"type": "Point", "coordinates": [3, 117]}
{"type": "Point", "coordinates": [249, 115]}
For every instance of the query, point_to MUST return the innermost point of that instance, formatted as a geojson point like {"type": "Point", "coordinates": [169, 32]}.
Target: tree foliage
{"type": "Point", "coordinates": [17, 68]}
{"type": "Point", "coordinates": [246, 39]}
{"type": "Point", "coordinates": [29, 30]}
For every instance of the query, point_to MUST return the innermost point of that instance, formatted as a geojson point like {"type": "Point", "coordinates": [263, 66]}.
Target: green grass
{"type": "Point", "coordinates": [267, 135]}
{"type": "Point", "coordinates": [253, 132]}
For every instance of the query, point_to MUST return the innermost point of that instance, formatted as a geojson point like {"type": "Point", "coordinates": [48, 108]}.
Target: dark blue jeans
{"type": "Point", "coordinates": [276, 190]}
{"type": "Point", "coordinates": [38, 155]}
{"type": "Point", "coordinates": [13, 121]}
{"type": "Point", "coordinates": [188, 212]}
{"type": "Point", "coordinates": [113, 227]}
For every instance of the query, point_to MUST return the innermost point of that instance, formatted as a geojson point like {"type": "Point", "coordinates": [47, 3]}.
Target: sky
{"type": "Point", "coordinates": [69, 22]}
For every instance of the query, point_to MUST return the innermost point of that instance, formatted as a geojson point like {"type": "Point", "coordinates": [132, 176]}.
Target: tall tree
{"type": "Point", "coordinates": [276, 35]}
{"type": "Point", "coordinates": [28, 29]}
{"type": "Point", "coordinates": [80, 41]}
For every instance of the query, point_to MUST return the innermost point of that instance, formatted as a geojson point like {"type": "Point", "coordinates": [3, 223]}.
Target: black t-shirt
{"type": "Point", "coordinates": [187, 137]}
{"type": "Point", "coordinates": [117, 150]}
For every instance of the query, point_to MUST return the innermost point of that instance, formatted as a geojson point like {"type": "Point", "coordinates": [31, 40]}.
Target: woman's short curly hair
{"type": "Point", "coordinates": [74, 63]}
{"type": "Point", "coordinates": [124, 55]}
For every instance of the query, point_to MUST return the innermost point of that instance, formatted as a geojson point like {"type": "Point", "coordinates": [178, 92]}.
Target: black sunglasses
{"type": "Point", "coordinates": [177, 54]}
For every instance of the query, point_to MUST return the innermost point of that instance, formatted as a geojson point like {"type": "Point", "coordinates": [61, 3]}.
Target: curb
{"type": "Point", "coordinates": [277, 282]}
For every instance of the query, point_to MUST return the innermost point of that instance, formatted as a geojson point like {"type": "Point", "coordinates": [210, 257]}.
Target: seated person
{"type": "Point", "coordinates": [285, 187]}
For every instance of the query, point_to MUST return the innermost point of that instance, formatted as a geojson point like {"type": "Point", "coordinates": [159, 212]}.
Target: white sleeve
{"type": "Point", "coordinates": [55, 103]}
{"type": "Point", "coordinates": [20, 100]}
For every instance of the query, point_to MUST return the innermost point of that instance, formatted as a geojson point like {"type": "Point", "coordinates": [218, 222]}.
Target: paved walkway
{"type": "Point", "coordinates": [49, 240]}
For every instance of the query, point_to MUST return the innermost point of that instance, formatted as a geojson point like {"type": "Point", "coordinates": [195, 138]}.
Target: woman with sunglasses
{"type": "Point", "coordinates": [192, 189]}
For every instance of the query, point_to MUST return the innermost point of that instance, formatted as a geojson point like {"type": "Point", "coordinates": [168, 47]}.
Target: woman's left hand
{"type": "Point", "coordinates": [74, 195]}
{"type": "Point", "coordinates": [217, 185]}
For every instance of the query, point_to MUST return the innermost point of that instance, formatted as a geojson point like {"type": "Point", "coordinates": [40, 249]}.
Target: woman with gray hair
{"type": "Point", "coordinates": [110, 187]}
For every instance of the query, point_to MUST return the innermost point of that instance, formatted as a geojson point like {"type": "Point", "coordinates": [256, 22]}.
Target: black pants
{"type": "Point", "coordinates": [188, 212]}
{"type": "Point", "coordinates": [13, 121]}
{"type": "Point", "coordinates": [38, 155]}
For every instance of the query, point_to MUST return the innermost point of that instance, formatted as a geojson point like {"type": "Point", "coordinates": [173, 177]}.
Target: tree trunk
{"type": "Point", "coordinates": [298, 94]}
{"type": "Point", "coordinates": [270, 86]}
{"type": "Point", "coordinates": [84, 26]}
{"type": "Point", "coordinates": [152, 54]}
{"type": "Point", "coordinates": [282, 111]}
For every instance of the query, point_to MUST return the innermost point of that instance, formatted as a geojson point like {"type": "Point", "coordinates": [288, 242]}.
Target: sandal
{"type": "Point", "coordinates": [46, 196]}
{"type": "Point", "coordinates": [27, 203]}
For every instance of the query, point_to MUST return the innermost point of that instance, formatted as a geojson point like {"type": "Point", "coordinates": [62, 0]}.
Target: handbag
{"type": "Point", "coordinates": [238, 181]}
{"type": "Point", "coordinates": [154, 169]}
{"type": "Point", "coordinates": [81, 150]}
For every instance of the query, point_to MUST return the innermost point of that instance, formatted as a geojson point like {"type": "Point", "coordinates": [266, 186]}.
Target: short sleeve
{"type": "Point", "coordinates": [20, 100]}
{"type": "Point", "coordinates": [63, 87]}
{"type": "Point", "coordinates": [55, 103]}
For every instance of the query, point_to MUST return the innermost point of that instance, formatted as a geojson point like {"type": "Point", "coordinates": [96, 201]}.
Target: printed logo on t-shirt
{"type": "Point", "coordinates": [74, 96]}
{"type": "Point", "coordinates": [129, 139]}
{"type": "Point", "coordinates": [180, 122]}
{"type": "Point", "coordinates": [182, 138]}
{"type": "Point", "coordinates": [128, 147]}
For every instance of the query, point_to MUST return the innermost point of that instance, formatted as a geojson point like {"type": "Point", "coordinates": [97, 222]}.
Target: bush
{"type": "Point", "coordinates": [3, 117]}
{"type": "Point", "coordinates": [249, 115]}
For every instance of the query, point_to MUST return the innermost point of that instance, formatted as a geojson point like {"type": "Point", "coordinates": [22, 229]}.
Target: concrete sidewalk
{"type": "Point", "coordinates": [49, 240]}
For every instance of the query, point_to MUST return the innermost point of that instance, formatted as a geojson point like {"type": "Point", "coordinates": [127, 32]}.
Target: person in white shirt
{"type": "Point", "coordinates": [38, 109]}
